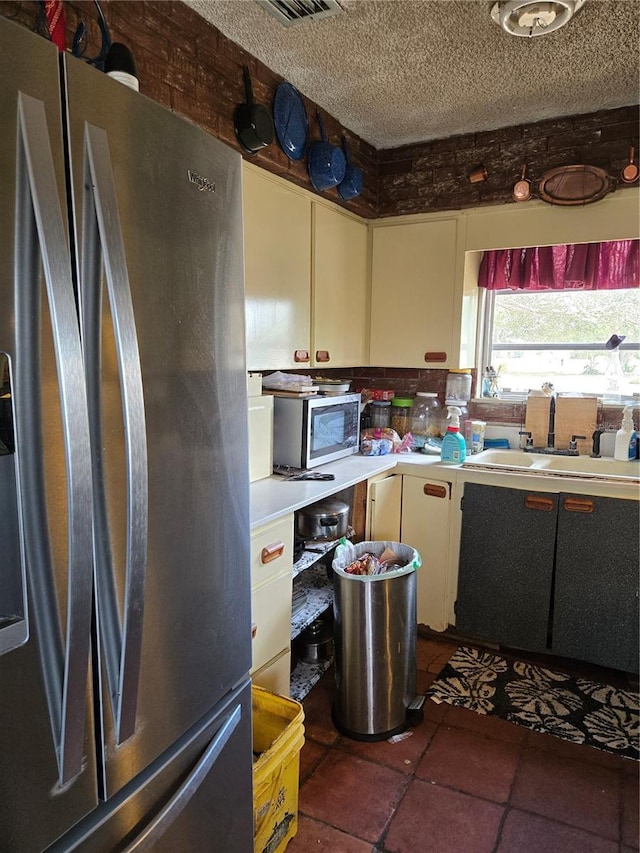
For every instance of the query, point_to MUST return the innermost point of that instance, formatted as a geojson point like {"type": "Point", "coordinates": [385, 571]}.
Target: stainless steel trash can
{"type": "Point", "coordinates": [375, 629]}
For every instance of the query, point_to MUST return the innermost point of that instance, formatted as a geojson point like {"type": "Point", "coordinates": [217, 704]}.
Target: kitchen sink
{"type": "Point", "coordinates": [603, 467]}
{"type": "Point", "coordinates": [542, 463]}
{"type": "Point", "coordinates": [502, 458]}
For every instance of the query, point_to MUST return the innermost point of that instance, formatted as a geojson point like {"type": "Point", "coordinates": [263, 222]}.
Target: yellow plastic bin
{"type": "Point", "coordinates": [278, 737]}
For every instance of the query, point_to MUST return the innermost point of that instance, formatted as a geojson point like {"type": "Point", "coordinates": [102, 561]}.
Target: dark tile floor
{"type": "Point", "coordinates": [462, 783]}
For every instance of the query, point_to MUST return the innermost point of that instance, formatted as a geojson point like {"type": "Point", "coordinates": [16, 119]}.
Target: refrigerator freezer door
{"type": "Point", "coordinates": [48, 779]}
{"type": "Point", "coordinates": [197, 798]}
{"type": "Point", "coordinates": [178, 217]}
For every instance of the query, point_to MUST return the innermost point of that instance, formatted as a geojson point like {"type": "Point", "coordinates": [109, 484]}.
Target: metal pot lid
{"type": "Point", "coordinates": [331, 506]}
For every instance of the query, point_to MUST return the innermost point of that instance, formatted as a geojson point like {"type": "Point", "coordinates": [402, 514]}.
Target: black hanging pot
{"type": "Point", "coordinates": [352, 183]}
{"type": "Point", "coordinates": [326, 162]}
{"type": "Point", "coordinates": [253, 123]}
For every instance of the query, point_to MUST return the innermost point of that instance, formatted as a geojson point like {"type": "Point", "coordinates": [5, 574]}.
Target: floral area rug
{"type": "Point", "coordinates": [571, 708]}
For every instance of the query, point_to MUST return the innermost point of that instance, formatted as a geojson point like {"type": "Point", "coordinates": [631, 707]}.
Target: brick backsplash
{"type": "Point", "coordinates": [191, 67]}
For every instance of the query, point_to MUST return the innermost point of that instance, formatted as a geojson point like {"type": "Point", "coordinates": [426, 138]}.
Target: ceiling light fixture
{"type": "Point", "coordinates": [528, 18]}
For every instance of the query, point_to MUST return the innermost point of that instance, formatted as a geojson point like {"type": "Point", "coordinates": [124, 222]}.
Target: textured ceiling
{"type": "Point", "coordinates": [401, 71]}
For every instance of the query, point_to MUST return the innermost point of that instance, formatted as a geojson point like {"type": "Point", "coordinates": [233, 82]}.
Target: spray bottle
{"type": "Point", "coordinates": [626, 438]}
{"type": "Point", "coordinates": [454, 449]}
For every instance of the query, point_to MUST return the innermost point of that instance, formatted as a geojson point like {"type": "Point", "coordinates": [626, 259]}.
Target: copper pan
{"type": "Point", "coordinates": [522, 188]}
{"type": "Point", "coordinates": [630, 172]}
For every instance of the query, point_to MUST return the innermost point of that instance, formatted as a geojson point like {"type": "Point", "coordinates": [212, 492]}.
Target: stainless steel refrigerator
{"type": "Point", "coordinates": [125, 700]}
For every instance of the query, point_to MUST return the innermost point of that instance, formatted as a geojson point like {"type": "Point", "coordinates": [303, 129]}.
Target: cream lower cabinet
{"type": "Point", "coordinates": [417, 512]}
{"type": "Point", "coordinates": [416, 294]}
{"type": "Point", "coordinates": [384, 506]}
{"type": "Point", "coordinates": [426, 525]}
{"type": "Point", "coordinates": [277, 255]}
{"type": "Point", "coordinates": [339, 317]}
{"type": "Point", "coordinates": [271, 586]}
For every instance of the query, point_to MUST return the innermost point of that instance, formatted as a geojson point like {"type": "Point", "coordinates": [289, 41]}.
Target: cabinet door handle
{"type": "Point", "coordinates": [322, 355]}
{"type": "Point", "coordinates": [434, 491]}
{"type": "Point", "coordinates": [272, 552]}
{"type": "Point", "coordinates": [578, 505]}
{"type": "Point", "coordinates": [540, 503]}
{"type": "Point", "coordinates": [301, 355]}
{"type": "Point", "coordinates": [435, 356]}
{"type": "Point", "coordinates": [254, 630]}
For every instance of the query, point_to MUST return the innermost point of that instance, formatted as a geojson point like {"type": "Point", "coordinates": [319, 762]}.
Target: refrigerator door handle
{"type": "Point", "coordinates": [122, 643]}
{"type": "Point", "coordinates": [163, 820]}
{"type": "Point", "coordinates": [39, 222]}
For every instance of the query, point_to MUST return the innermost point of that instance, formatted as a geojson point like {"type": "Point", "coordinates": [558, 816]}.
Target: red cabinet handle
{"type": "Point", "coordinates": [301, 355]}
{"type": "Point", "coordinates": [539, 502]}
{"type": "Point", "coordinates": [254, 630]}
{"type": "Point", "coordinates": [434, 491]}
{"type": "Point", "coordinates": [578, 505]}
{"type": "Point", "coordinates": [435, 356]}
{"type": "Point", "coordinates": [322, 355]}
{"type": "Point", "coordinates": [272, 552]}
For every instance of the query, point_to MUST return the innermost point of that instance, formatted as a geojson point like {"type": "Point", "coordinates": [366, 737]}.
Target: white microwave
{"type": "Point", "coordinates": [309, 431]}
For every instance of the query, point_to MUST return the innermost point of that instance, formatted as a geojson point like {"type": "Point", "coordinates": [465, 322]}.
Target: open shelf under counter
{"type": "Point", "coordinates": [313, 553]}
{"type": "Point", "coordinates": [319, 590]}
{"type": "Point", "coordinates": [305, 676]}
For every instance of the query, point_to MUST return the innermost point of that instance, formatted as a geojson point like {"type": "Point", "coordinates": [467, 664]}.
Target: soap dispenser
{"type": "Point", "coordinates": [454, 448]}
{"type": "Point", "coordinates": [626, 438]}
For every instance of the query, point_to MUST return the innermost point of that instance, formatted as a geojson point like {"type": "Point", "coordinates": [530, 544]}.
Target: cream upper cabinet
{"type": "Point", "coordinates": [417, 294]}
{"type": "Point", "coordinates": [339, 318]}
{"type": "Point", "coordinates": [277, 251]}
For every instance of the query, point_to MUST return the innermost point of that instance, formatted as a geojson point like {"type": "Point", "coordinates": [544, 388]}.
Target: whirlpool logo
{"type": "Point", "coordinates": [203, 184]}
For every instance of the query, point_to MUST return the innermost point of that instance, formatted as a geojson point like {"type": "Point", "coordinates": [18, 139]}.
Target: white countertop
{"type": "Point", "coordinates": [274, 496]}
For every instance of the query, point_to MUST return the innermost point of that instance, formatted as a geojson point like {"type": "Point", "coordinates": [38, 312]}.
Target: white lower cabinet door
{"type": "Point", "coordinates": [426, 515]}
{"type": "Point", "coordinates": [275, 675]}
{"type": "Point", "coordinates": [384, 500]}
{"type": "Point", "coordinates": [271, 617]}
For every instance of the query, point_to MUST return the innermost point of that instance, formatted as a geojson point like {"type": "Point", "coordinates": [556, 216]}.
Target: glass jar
{"type": "Point", "coordinates": [458, 387]}
{"type": "Point", "coordinates": [401, 415]}
{"type": "Point", "coordinates": [426, 418]}
{"type": "Point", "coordinates": [380, 414]}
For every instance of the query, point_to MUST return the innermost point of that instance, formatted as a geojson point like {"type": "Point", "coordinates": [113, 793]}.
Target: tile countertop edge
{"type": "Point", "coordinates": [275, 497]}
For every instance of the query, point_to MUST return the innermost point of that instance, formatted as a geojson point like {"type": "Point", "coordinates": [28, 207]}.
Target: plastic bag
{"type": "Point", "coordinates": [378, 441]}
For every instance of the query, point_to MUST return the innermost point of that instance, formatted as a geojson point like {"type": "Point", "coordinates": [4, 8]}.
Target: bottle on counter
{"type": "Point", "coordinates": [626, 438]}
{"type": "Point", "coordinates": [426, 418]}
{"type": "Point", "coordinates": [454, 448]}
{"type": "Point", "coordinates": [401, 415]}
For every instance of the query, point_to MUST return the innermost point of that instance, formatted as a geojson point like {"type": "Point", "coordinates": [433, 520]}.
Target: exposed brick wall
{"type": "Point", "coordinates": [190, 67]}
{"type": "Point", "coordinates": [435, 175]}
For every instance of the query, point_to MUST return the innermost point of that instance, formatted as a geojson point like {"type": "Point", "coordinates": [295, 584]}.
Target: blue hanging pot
{"type": "Point", "coordinates": [352, 183]}
{"type": "Point", "coordinates": [326, 162]}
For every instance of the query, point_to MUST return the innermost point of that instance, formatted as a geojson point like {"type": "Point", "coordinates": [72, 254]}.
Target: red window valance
{"type": "Point", "coordinates": [583, 266]}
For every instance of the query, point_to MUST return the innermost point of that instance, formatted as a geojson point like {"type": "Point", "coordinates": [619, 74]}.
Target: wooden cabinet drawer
{"type": "Point", "coordinates": [275, 675]}
{"type": "Point", "coordinates": [271, 551]}
{"type": "Point", "coordinates": [271, 618]}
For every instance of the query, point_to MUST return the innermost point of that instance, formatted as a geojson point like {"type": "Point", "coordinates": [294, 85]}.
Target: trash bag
{"type": "Point", "coordinates": [346, 553]}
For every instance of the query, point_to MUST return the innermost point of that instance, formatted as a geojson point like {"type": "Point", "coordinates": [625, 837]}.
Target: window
{"type": "Point", "coordinates": [532, 337]}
